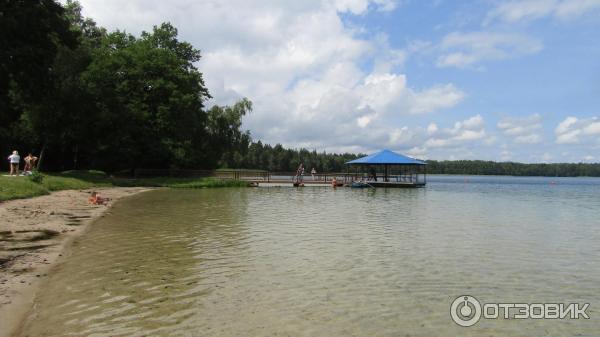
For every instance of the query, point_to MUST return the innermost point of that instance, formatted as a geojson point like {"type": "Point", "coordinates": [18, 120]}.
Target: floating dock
{"type": "Point", "coordinates": [341, 182]}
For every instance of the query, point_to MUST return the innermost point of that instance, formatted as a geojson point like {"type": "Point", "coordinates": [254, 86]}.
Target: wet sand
{"type": "Point", "coordinates": [33, 235]}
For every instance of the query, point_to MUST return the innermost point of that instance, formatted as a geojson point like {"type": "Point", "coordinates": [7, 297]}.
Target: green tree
{"type": "Point", "coordinates": [63, 119]}
{"type": "Point", "coordinates": [150, 100]}
{"type": "Point", "coordinates": [226, 141]}
{"type": "Point", "coordinates": [32, 33]}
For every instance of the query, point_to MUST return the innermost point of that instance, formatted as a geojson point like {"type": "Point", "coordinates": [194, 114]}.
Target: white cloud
{"type": "Point", "coordinates": [299, 63]}
{"type": "Point", "coordinates": [386, 5]}
{"type": "Point", "coordinates": [471, 129]}
{"type": "Point", "coordinates": [363, 121]}
{"type": "Point", "coordinates": [593, 128]}
{"type": "Point", "coordinates": [474, 122]}
{"type": "Point", "coordinates": [522, 10]}
{"type": "Point", "coordinates": [522, 130]}
{"type": "Point", "coordinates": [358, 7]}
{"type": "Point", "coordinates": [547, 157]}
{"type": "Point", "coordinates": [527, 10]}
{"type": "Point", "coordinates": [506, 155]}
{"type": "Point", "coordinates": [573, 130]}
{"type": "Point", "coordinates": [354, 6]}
{"type": "Point", "coordinates": [379, 91]}
{"type": "Point", "coordinates": [417, 152]}
{"type": "Point", "coordinates": [528, 139]}
{"type": "Point", "coordinates": [565, 125]}
{"type": "Point", "coordinates": [386, 57]}
{"type": "Point", "coordinates": [432, 128]}
{"type": "Point", "coordinates": [435, 98]}
{"type": "Point", "coordinates": [571, 137]}
{"type": "Point", "coordinates": [467, 49]}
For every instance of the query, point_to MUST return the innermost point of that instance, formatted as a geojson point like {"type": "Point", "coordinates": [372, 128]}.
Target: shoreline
{"type": "Point", "coordinates": [34, 233]}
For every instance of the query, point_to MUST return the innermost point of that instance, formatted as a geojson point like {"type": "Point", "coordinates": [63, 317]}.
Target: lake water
{"type": "Point", "coordinates": [318, 261]}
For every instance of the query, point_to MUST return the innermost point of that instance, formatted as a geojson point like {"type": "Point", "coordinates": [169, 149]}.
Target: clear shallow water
{"type": "Point", "coordinates": [321, 262]}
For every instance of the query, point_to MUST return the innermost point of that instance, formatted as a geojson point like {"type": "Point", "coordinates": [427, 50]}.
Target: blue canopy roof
{"type": "Point", "coordinates": [386, 157]}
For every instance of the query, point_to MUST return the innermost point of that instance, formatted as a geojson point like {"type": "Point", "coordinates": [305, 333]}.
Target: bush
{"type": "Point", "coordinates": [36, 177]}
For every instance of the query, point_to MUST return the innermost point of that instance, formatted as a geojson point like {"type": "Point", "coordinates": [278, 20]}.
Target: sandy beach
{"type": "Point", "coordinates": [33, 235]}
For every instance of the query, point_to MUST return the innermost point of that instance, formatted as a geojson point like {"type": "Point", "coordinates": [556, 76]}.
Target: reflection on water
{"type": "Point", "coordinates": [322, 262]}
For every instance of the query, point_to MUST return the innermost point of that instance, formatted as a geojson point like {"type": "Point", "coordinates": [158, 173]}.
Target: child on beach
{"type": "Point", "coordinates": [14, 160]}
{"type": "Point", "coordinates": [96, 199]}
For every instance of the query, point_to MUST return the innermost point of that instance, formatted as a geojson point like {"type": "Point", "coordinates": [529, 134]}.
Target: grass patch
{"type": "Point", "coordinates": [19, 187]}
{"type": "Point", "coordinates": [22, 187]}
{"type": "Point", "coordinates": [209, 183]}
{"type": "Point", "coordinates": [58, 183]}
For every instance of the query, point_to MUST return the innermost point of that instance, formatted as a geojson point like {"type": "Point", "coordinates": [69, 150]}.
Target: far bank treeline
{"type": "Point", "coordinates": [83, 97]}
{"type": "Point", "coordinates": [278, 159]}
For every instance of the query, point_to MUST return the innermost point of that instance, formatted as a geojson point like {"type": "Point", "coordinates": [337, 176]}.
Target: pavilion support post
{"type": "Point", "coordinates": [347, 174]}
{"type": "Point", "coordinates": [385, 173]}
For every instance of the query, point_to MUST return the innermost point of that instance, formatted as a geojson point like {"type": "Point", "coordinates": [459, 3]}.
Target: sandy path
{"type": "Point", "coordinates": [33, 233]}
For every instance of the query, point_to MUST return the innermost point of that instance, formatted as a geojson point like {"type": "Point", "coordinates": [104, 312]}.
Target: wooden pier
{"type": "Point", "coordinates": [265, 178]}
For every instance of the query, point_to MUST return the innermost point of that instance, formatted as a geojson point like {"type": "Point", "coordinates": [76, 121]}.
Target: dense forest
{"type": "Point", "coordinates": [279, 159]}
{"type": "Point", "coordinates": [82, 97]}
{"type": "Point", "coordinates": [514, 169]}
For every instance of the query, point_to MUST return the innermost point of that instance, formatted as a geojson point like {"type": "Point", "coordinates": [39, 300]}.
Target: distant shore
{"type": "Point", "coordinates": [33, 235]}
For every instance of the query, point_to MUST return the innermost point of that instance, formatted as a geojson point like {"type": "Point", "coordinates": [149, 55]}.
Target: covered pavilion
{"type": "Point", "coordinates": [387, 169]}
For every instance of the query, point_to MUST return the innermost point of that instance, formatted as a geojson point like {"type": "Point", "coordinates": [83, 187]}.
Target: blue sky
{"type": "Point", "coordinates": [494, 80]}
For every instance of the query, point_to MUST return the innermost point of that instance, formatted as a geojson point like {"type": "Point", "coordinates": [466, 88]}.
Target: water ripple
{"type": "Point", "coordinates": [324, 262]}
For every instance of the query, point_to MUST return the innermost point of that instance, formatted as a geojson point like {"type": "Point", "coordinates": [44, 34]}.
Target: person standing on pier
{"type": "Point", "coordinates": [300, 173]}
{"type": "Point", "coordinates": [313, 172]}
{"type": "Point", "coordinates": [373, 174]}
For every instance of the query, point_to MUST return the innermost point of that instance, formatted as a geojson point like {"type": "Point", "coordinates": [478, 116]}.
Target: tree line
{"type": "Point", "coordinates": [480, 167]}
{"type": "Point", "coordinates": [83, 97]}
{"type": "Point", "coordinates": [279, 159]}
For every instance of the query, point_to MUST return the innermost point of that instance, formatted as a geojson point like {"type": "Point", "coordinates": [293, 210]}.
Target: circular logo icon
{"type": "Point", "coordinates": [465, 310]}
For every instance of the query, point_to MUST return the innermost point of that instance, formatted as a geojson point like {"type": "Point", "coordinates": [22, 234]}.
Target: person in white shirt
{"type": "Point", "coordinates": [14, 160]}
